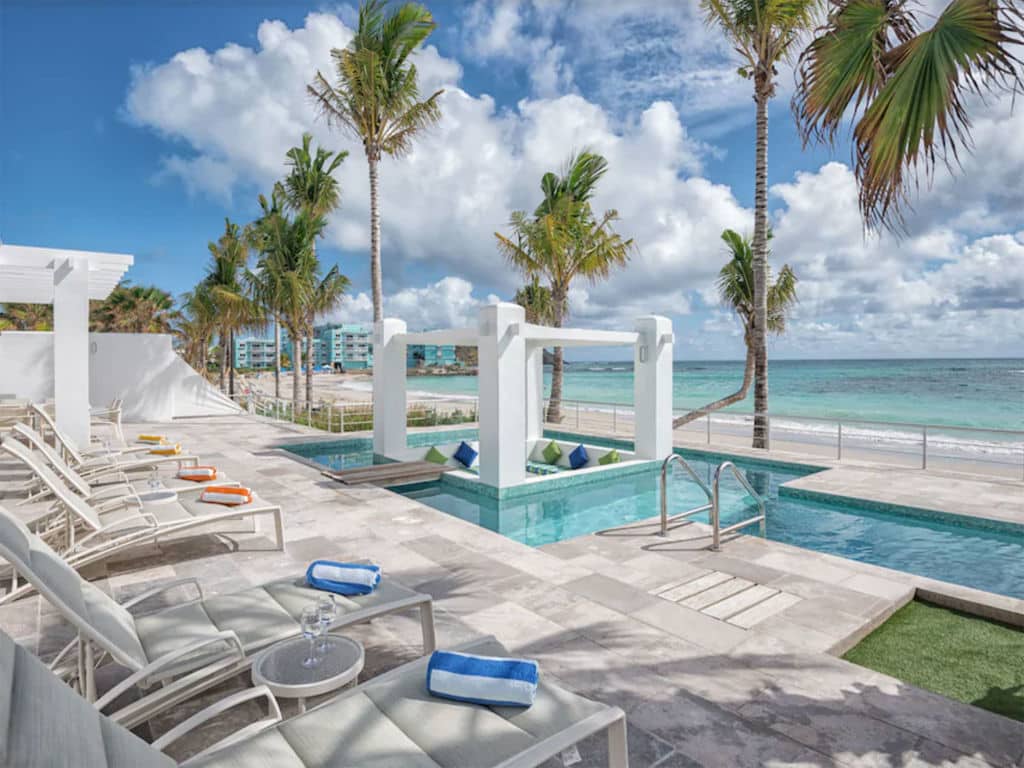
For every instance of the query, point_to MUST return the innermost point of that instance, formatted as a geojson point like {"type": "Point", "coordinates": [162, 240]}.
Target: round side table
{"type": "Point", "coordinates": [158, 496]}
{"type": "Point", "coordinates": [280, 668]}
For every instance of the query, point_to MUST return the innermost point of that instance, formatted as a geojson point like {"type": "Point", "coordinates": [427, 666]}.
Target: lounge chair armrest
{"type": "Point", "coordinates": [166, 661]}
{"type": "Point", "coordinates": [112, 491]}
{"type": "Point", "coordinates": [217, 708]}
{"type": "Point", "coordinates": [163, 588]}
{"type": "Point", "coordinates": [118, 502]}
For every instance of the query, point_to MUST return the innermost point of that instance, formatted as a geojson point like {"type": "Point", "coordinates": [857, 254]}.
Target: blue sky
{"type": "Point", "coordinates": [138, 127]}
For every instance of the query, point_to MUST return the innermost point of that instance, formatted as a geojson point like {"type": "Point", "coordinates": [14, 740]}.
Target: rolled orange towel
{"type": "Point", "coordinates": [229, 496]}
{"type": "Point", "coordinates": [167, 450]}
{"type": "Point", "coordinates": [197, 474]}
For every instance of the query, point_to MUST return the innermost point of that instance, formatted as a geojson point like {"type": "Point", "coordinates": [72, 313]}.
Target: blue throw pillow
{"type": "Point", "coordinates": [465, 455]}
{"type": "Point", "coordinates": [578, 457]}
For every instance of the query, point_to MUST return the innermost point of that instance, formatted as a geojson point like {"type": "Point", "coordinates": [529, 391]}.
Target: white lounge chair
{"type": "Point", "coordinates": [388, 722]}
{"type": "Point", "coordinates": [110, 417]}
{"type": "Point", "coordinates": [85, 533]}
{"type": "Point", "coordinates": [96, 486]}
{"type": "Point", "coordinates": [100, 459]}
{"type": "Point", "coordinates": [190, 646]}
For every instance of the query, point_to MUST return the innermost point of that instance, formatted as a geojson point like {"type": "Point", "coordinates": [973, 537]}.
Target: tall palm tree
{"type": "Point", "coordinates": [376, 98]}
{"type": "Point", "coordinates": [763, 33]}
{"type": "Point", "coordinates": [224, 281]}
{"type": "Point", "coordinates": [197, 322]}
{"type": "Point", "coordinates": [310, 183]}
{"type": "Point", "coordinates": [261, 285]}
{"type": "Point", "coordinates": [288, 275]}
{"type": "Point", "coordinates": [906, 87]}
{"type": "Point", "coordinates": [564, 240]}
{"type": "Point", "coordinates": [736, 290]}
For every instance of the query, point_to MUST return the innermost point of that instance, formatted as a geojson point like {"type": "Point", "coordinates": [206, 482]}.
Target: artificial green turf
{"type": "Point", "coordinates": [963, 657]}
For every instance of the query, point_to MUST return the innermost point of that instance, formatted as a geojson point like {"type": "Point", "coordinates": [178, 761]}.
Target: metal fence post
{"type": "Point", "coordinates": [924, 447]}
{"type": "Point", "coordinates": [615, 420]}
{"type": "Point", "coordinates": [330, 419]}
{"type": "Point", "coordinates": [577, 414]}
{"type": "Point", "coordinates": [767, 432]}
{"type": "Point", "coordinates": [709, 427]}
{"type": "Point", "coordinates": [839, 453]}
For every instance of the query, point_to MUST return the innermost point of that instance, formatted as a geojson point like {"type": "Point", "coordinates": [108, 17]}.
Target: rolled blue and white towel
{"type": "Point", "coordinates": [343, 578]}
{"type": "Point", "coordinates": [488, 680]}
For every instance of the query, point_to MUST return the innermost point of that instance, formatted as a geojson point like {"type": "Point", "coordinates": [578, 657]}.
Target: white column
{"type": "Point", "coordinates": [652, 387]}
{"type": "Point", "coordinates": [502, 389]}
{"type": "Point", "coordinates": [389, 422]}
{"type": "Point", "coordinates": [534, 392]}
{"type": "Point", "coordinates": [71, 348]}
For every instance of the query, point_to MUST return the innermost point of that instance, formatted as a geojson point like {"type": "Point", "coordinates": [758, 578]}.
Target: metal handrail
{"type": "Point", "coordinates": [664, 492]}
{"type": "Point", "coordinates": [716, 526]}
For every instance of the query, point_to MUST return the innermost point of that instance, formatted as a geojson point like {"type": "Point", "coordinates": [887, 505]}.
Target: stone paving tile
{"type": "Point", "coordinates": [758, 613]}
{"type": "Point", "coordinates": [716, 594]}
{"type": "Point", "coordinates": [739, 603]}
{"type": "Point", "coordinates": [697, 691]}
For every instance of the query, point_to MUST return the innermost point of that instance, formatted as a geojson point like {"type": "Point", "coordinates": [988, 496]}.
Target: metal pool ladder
{"type": "Point", "coordinates": [713, 500]}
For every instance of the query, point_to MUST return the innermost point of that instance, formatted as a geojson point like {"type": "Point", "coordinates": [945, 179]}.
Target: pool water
{"type": "Point", "coordinates": [962, 551]}
{"type": "Point", "coordinates": [358, 451]}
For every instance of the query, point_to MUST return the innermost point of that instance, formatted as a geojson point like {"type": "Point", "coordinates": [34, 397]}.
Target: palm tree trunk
{"type": "Point", "coordinates": [310, 361]}
{"type": "Point", "coordinates": [223, 361]}
{"type": "Point", "coordinates": [555, 401]}
{"type": "Point", "coordinates": [277, 359]}
{"type": "Point", "coordinates": [375, 276]}
{"type": "Point", "coordinates": [760, 247]}
{"type": "Point", "coordinates": [231, 363]}
{"type": "Point", "coordinates": [296, 364]}
{"type": "Point", "coordinates": [735, 397]}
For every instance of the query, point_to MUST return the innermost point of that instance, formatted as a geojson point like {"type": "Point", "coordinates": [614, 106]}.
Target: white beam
{"type": "Point", "coordinates": [460, 337]}
{"type": "Point", "coordinates": [542, 335]}
{"type": "Point", "coordinates": [71, 348]}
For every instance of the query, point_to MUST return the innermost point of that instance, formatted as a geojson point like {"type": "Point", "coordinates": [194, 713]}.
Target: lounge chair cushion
{"type": "Point", "coordinates": [44, 722]}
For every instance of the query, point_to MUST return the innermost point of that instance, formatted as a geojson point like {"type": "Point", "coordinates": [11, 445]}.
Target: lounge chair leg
{"type": "Point", "coordinates": [279, 529]}
{"type": "Point", "coordinates": [427, 622]}
{"type": "Point", "coordinates": [90, 673]}
{"type": "Point", "coordinates": [618, 749]}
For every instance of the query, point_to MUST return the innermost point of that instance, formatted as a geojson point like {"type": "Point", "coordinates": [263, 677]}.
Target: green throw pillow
{"type": "Point", "coordinates": [552, 452]}
{"type": "Point", "coordinates": [435, 456]}
{"type": "Point", "coordinates": [612, 457]}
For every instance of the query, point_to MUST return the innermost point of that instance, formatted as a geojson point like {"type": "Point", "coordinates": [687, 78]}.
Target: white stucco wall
{"type": "Point", "coordinates": [143, 369]}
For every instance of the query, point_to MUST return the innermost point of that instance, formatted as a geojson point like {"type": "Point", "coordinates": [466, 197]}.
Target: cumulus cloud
{"type": "Point", "coordinates": [231, 114]}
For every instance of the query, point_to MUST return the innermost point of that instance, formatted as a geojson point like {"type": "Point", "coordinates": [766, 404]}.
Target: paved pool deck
{"type": "Point", "coordinates": [718, 659]}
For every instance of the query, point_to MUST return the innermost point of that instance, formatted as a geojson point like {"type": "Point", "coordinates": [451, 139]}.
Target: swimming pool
{"type": "Point", "coordinates": [958, 550]}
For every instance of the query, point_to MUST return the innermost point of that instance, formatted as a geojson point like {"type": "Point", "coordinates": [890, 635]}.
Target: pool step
{"type": "Point", "coordinates": [725, 597]}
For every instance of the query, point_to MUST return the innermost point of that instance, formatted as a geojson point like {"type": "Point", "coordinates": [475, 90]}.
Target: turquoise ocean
{"type": "Point", "coordinates": [985, 394]}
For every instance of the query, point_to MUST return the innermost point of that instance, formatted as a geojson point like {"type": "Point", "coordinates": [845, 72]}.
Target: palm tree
{"type": "Point", "coordinates": [563, 240]}
{"type": "Point", "coordinates": [227, 291]}
{"type": "Point", "coordinates": [260, 285]}
{"type": "Point", "coordinates": [287, 275]}
{"type": "Point", "coordinates": [28, 317]}
{"type": "Point", "coordinates": [133, 309]}
{"type": "Point", "coordinates": [311, 184]}
{"type": "Point", "coordinates": [906, 87]}
{"type": "Point", "coordinates": [763, 33]}
{"type": "Point", "coordinates": [196, 325]}
{"type": "Point", "coordinates": [376, 98]}
{"type": "Point", "coordinates": [736, 289]}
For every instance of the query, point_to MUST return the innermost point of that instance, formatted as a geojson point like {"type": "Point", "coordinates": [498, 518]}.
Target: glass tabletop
{"type": "Point", "coordinates": [281, 665]}
{"type": "Point", "coordinates": [158, 496]}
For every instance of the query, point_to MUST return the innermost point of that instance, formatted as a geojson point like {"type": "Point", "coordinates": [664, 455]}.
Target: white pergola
{"type": "Point", "coordinates": [511, 383]}
{"type": "Point", "coordinates": [68, 280]}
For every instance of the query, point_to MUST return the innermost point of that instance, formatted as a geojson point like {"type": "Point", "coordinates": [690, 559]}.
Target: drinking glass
{"type": "Point", "coordinates": [310, 629]}
{"type": "Point", "coordinates": [327, 609]}
{"type": "Point", "coordinates": [154, 480]}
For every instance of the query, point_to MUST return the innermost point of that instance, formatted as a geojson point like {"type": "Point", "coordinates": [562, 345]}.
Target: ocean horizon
{"type": "Point", "coordinates": [983, 393]}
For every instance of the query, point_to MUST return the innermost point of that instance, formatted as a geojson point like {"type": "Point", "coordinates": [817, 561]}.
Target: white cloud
{"type": "Point", "coordinates": [447, 303]}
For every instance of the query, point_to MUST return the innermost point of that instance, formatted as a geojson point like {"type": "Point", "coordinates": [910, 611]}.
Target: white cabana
{"type": "Point", "coordinates": [68, 280]}
{"type": "Point", "coordinates": [511, 384]}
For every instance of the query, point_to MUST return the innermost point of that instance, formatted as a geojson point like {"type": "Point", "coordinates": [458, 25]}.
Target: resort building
{"type": "Point", "coordinates": [430, 356]}
{"type": "Point", "coordinates": [320, 354]}
{"type": "Point", "coordinates": [347, 345]}
{"type": "Point", "coordinates": [254, 353]}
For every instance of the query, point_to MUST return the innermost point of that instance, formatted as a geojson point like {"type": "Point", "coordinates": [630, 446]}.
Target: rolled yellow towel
{"type": "Point", "coordinates": [167, 450]}
{"type": "Point", "coordinates": [152, 439]}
